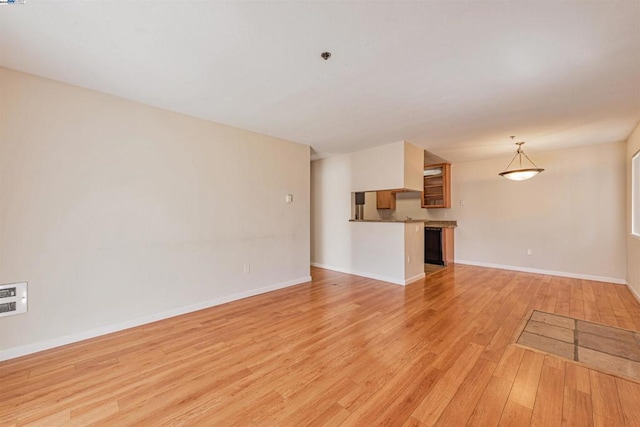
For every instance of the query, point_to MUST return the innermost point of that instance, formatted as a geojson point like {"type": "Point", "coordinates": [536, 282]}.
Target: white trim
{"type": "Point", "coordinates": [361, 273]}
{"type": "Point", "coordinates": [393, 280]}
{"type": "Point", "coordinates": [634, 292]}
{"type": "Point", "coordinates": [92, 333]}
{"type": "Point", "coordinates": [547, 272]}
{"type": "Point", "coordinates": [415, 278]}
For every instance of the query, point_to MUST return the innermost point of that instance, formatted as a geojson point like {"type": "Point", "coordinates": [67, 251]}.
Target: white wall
{"type": "Point", "coordinates": [378, 251]}
{"type": "Point", "coordinates": [378, 168]}
{"type": "Point", "coordinates": [414, 250]}
{"type": "Point", "coordinates": [116, 212]}
{"type": "Point", "coordinates": [387, 167]}
{"type": "Point", "coordinates": [413, 167]}
{"type": "Point", "coordinates": [393, 252]}
{"type": "Point", "coordinates": [572, 215]}
{"type": "Point", "coordinates": [633, 242]}
{"type": "Point", "coordinates": [369, 249]}
{"type": "Point", "coordinates": [331, 210]}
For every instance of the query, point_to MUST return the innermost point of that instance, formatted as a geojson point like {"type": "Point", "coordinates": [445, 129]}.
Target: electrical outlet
{"type": "Point", "coordinates": [247, 269]}
{"type": "Point", "coordinates": [408, 259]}
{"type": "Point", "coordinates": [529, 251]}
{"type": "Point", "coordinates": [289, 198]}
{"type": "Point", "coordinates": [461, 202]}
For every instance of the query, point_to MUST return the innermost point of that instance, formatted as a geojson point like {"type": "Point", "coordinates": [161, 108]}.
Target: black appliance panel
{"type": "Point", "coordinates": [433, 246]}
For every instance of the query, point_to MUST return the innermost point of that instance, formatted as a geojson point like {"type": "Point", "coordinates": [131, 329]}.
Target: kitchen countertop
{"type": "Point", "coordinates": [443, 224]}
{"type": "Point", "coordinates": [386, 220]}
{"type": "Point", "coordinates": [427, 223]}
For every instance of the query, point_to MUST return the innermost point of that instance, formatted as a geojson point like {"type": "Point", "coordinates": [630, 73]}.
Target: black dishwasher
{"type": "Point", "coordinates": [433, 246]}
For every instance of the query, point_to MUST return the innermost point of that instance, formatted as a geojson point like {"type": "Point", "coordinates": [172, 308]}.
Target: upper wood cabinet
{"type": "Point", "coordinates": [386, 199]}
{"type": "Point", "coordinates": [437, 186]}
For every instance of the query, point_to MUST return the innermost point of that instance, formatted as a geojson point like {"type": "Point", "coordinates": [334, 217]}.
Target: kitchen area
{"type": "Point", "coordinates": [389, 214]}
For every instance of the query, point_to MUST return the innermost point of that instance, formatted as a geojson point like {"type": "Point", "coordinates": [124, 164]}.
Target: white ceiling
{"type": "Point", "coordinates": [456, 77]}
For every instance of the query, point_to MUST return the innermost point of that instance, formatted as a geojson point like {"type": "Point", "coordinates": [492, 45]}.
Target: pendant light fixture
{"type": "Point", "coordinates": [521, 173]}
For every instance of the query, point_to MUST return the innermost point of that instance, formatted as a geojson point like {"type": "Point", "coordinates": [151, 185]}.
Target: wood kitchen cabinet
{"type": "Point", "coordinates": [447, 245]}
{"type": "Point", "coordinates": [386, 199]}
{"type": "Point", "coordinates": [437, 186]}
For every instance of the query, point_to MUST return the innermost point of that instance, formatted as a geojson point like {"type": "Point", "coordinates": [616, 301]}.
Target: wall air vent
{"type": "Point", "coordinates": [6, 307]}
{"type": "Point", "coordinates": [13, 299]}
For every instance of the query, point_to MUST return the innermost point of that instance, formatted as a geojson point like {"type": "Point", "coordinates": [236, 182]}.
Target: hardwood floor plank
{"type": "Point", "coordinates": [589, 300]}
{"type": "Point", "coordinates": [577, 377]}
{"type": "Point", "coordinates": [525, 385]}
{"type": "Point", "coordinates": [509, 363]}
{"type": "Point", "coordinates": [88, 415]}
{"type": "Point", "coordinates": [340, 350]}
{"type": "Point", "coordinates": [576, 304]}
{"type": "Point", "coordinates": [332, 416]}
{"type": "Point", "coordinates": [629, 395]}
{"type": "Point", "coordinates": [430, 409]}
{"type": "Point", "coordinates": [551, 297]}
{"type": "Point", "coordinates": [577, 409]}
{"type": "Point", "coordinates": [563, 305]}
{"type": "Point", "coordinates": [461, 406]}
{"type": "Point", "coordinates": [515, 414]}
{"type": "Point", "coordinates": [388, 404]}
{"type": "Point", "coordinates": [604, 398]}
{"type": "Point", "coordinates": [547, 410]}
{"type": "Point", "coordinates": [605, 310]}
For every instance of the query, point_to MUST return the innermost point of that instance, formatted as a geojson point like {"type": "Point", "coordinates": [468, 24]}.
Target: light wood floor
{"type": "Point", "coordinates": [340, 350]}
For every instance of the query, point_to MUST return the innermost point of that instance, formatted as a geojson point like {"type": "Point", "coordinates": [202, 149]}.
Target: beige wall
{"type": "Point", "coordinates": [377, 250]}
{"type": "Point", "coordinates": [413, 167]}
{"type": "Point", "coordinates": [413, 250]}
{"type": "Point", "coordinates": [114, 211]}
{"type": "Point", "coordinates": [572, 215]}
{"type": "Point", "coordinates": [387, 167]}
{"type": "Point", "coordinates": [331, 210]}
{"type": "Point", "coordinates": [633, 242]}
{"type": "Point", "coordinates": [378, 168]}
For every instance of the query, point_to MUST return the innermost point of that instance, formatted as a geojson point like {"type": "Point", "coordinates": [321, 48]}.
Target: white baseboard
{"type": "Point", "coordinates": [547, 272]}
{"type": "Point", "coordinates": [415, 278]}
{"type": "Point", "coordinates": [635, 293]}
{"type": "Point", "coordinates": [393, 280]}
{"type": "Point", "coordinates": [92, 333]}
{"type": "Point", "coordinates": [360, 273]}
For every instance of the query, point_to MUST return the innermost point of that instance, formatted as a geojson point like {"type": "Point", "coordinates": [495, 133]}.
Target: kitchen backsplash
{"type": "Point", "coordinates": [407, 205]}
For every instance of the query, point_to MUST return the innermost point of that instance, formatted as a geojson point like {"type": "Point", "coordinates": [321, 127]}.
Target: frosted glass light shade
{"type": "Point", "coordinates": [520, 174]}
